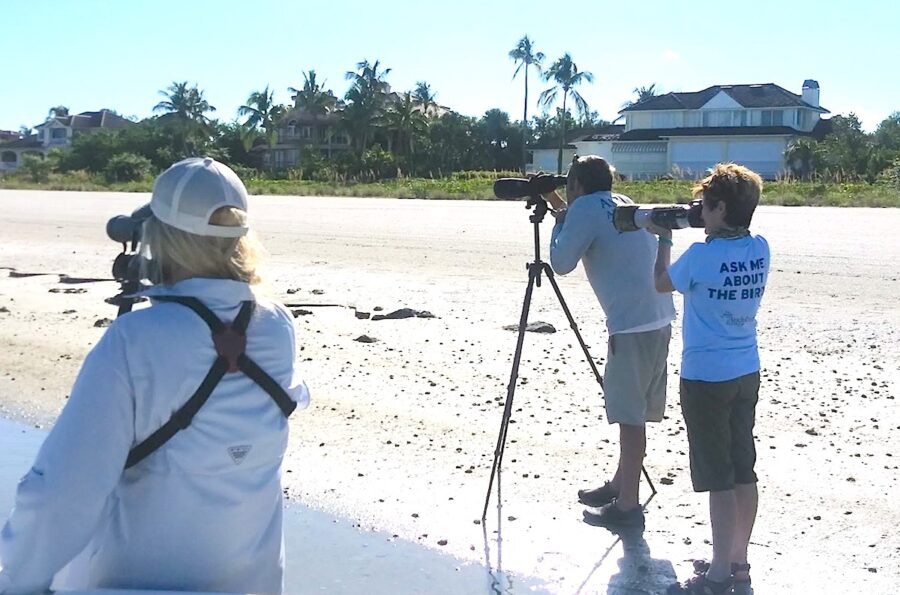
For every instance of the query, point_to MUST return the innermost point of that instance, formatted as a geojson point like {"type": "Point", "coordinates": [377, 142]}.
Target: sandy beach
{"type": "Point", "coordinates": [400, 434]}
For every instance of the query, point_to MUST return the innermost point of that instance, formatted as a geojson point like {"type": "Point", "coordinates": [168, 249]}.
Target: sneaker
{"type": "Point", "coordinates": [700, 585]}
{"type": "Point", "coordinates": [611, 516]}
{"type": "Point", "coordinates": [598, 496]}
{"type": "Point", "coordinates": [740, 586]}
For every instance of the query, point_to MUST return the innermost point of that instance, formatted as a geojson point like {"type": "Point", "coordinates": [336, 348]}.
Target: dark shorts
{"type": "Point", "coordinates": [719, 417]}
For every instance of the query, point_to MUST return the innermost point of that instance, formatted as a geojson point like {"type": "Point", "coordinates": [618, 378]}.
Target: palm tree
{"type": "Point", "coordinates": [564, 72]}
{"type": "Point", "coordinates": [366, 98]}
{"type": "Point", "coordinates": [187, 108]}
{"type": "Point", "coordinates": [367, 76]}
{"type": "Point", "coordinates": [404, 119]}
{"type": "Point", "coordinates": [525, 56]}
{"type": "Point", "coordinates": [312, 97]}
{"type": "Point", "coordinates": [643, 94]}
{"type": "Point", "coordinates": [186, 103]}
{"type": "Point", "coordinates": [59, 111]}
{"type": "Point", "coordinates": [425, 97]}
{"type": "Point", "coordinates": [801, 156]}
{"type": "Point", "coordinates": [262, 112]}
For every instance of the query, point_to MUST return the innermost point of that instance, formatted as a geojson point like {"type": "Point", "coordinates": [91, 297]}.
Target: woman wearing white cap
{"type": "Point", "coordinates": [163, 470]}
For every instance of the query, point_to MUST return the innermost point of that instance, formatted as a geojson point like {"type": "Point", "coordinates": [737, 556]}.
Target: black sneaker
{"type": "Point", "coordinates": [611, 516]}
{"type": "Point", "coordinates": [700, 585]}
{"type": "Point", "coordinates": [598, 496]}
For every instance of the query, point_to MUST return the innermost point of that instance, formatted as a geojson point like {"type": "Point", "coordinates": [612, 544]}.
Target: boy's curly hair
{"type": "Point", "coordinates": [738, 186]}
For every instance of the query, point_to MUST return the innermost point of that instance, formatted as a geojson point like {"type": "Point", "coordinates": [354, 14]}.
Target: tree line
{"type": "Point", "coordinates": [848, 153]}
{"type": "Point", "coordinates": [391, 133]}
{"type": "Point", "coordinates": [409, 134]}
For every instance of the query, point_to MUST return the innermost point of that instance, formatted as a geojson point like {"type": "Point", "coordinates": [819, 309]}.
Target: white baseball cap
{"type": "Point", "coordinates": [187, 194]}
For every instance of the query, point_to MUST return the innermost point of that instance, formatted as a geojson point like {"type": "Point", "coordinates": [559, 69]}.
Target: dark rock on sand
{"type": "Point", "coordinates": [404, 313]}
{"type": "Point", "coordinates": [534, 327]}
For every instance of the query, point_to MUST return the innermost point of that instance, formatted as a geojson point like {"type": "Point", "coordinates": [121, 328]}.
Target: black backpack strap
{"type": "Point", "coordinates": [230, 342]}
{"type": "Point", "coordinates": [182, 418]}
{"type": "Point", "coordinates": [268, 384]}
{"type": "Point", "coordinates": [212, 321]}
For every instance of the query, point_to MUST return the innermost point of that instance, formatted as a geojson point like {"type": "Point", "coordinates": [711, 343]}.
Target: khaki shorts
{"type": "Point", "coordinates": [634, 381]}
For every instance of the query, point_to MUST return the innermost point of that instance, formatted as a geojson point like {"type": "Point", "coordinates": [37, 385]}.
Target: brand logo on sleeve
{"type": "Point", "coordinates": [239, 453]}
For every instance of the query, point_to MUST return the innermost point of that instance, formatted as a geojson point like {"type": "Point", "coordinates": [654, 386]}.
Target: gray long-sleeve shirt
{"type": "Point", "coordinates": [619, 265]}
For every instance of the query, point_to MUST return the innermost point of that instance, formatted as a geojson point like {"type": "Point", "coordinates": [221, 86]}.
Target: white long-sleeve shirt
{"type": "Point", "coordinates": [202, 513]}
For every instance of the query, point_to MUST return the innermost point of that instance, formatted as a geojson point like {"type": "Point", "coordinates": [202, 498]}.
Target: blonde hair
{"type": "Point", "coordinates": [174, 251]}
{"type": "Point", "coordinates": [740, 188]}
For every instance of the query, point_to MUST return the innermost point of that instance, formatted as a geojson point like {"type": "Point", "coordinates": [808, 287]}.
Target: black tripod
{"type": "Point", "coordinates": [534, 278]}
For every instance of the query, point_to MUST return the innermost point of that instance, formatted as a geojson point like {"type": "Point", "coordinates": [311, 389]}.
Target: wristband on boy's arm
{"type": "Point", "coordinates": [666, 241]}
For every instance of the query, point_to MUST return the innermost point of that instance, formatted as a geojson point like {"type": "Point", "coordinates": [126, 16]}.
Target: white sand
{"type": "Point", "coordinates": [401, 432]}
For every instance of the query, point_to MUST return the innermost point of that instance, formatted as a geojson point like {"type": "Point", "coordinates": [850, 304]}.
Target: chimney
{"type": "Point", "coordinates": [810, 92]}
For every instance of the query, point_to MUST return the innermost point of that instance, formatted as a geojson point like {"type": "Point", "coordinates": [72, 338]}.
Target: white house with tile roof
{"type": "Point", "coordinates": [684, 134]}
{"type": "Point", "coordinates": [56, 132]}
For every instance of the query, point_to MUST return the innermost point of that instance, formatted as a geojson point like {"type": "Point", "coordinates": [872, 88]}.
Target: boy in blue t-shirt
{"type": "Point", "coordinates": [723, 281]}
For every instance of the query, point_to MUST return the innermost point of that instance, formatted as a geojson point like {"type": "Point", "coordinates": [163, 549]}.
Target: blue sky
{"type": "Point", "coordinates": [89, 54]}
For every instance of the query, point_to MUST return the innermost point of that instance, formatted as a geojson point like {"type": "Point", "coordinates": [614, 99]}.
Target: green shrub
{"type": "Point", "coordinates": [244, 173]}
{"type": "Point", "coordinates": [891, 175]}
{"type": "Point", "coordinates": [36, 168]}
{"type": "Point", "coordinates": [127, 167]}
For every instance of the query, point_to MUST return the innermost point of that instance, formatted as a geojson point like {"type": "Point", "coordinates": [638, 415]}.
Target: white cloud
{"type": "Point", "coordinates": [670, 55]}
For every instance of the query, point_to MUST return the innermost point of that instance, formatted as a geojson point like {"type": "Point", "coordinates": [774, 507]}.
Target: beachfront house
{"type": "Point", "coordinates": [684, 134]}
{"type": "Point", "coordinates": [301, 129]}
{"type": "Point", "coordinates": [56, 132]}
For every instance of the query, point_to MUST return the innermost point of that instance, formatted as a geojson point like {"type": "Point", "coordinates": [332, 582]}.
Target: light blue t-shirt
{"type": "Point", "coordinates": [723, 281]}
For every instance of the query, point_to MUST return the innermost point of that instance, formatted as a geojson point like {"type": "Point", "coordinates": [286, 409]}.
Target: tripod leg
{"type": "Point", "coordinates": [650, 483]}
{"type": "Point", "coordinates": [572, 325]}
{"type": "Point", "coordinates": [549, 271]}
{"type": "Point", "coordinates": [534, 272]}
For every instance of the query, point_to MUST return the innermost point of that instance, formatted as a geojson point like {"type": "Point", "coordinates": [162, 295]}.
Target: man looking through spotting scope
{"type": "Point", "coordinates": [619, 267]}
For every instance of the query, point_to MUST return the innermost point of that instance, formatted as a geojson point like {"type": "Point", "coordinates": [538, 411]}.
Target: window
{"type": "Point", "coordinates": [306, 132]}
{"type": "Point", "coordinates": [778, 117]}
{"type": "Point", "coordinates": [717, 118]}
{"type": "Point", "coordinates": [340, 138]}
{"type": "Point", "coordinates": [766, 118]}
{"type": "Point", "coordinates": [663, 120]}
{"type": "Point", "coordinates": [637, 121]}
{"type": "Point", "coordinates": [57, 133]}
{"type": "Point", "coordinates": [292, 128]}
